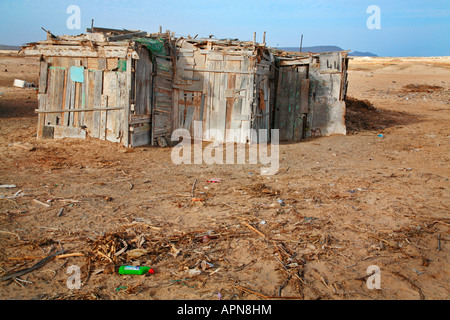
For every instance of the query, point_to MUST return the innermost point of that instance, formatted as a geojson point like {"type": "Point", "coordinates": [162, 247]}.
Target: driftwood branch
{"type": "Point", "coordinates": [35, 267]}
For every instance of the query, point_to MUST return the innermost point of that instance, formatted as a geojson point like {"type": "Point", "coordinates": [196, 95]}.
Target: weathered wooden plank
{"type": "Point", "coordinates": [175, 121]}
{"type": "Point", "coordinates": [89, 101]}
{"type": "Point", "coordinates": [50, 118]}
{"type": "Point", "coordinates": [42, 98]}
{"type": "Point", "coordinates": [79, 51]}
{"type": "Point", "coordinates": [127, 36]}
{"type": "Point", "coordinates": [230, 87]}
{"type": "Point", "coordinates": [281, 103]}
{"type": "Point", "coordinates": [247, 81]}
{"type": "Point", "coordinates": [43, 77]}
{"type": "Point", "coordinates": [236, 118]}
{"type": "Point", "coordinates": [71, 100]}
{"type": "Point", "coordinates": [103, 117]}
{"type": "Point", "coordinates": [181, 115]}
{"type": "Point", "coordinates": [102, 64]}
{"type": "Point", "coordinates": [78, 110]}
{"type": "Point", "coordinates": [67, 98]}
{"type": "Point", "coordinates": [235, 58]}
{"type": "Point", "coordinates": [60, 132]}
{"type": "Point", "coordinates": [198, 116]}
{"type": "Point", "coordinates": [98, 89]}
{"type": "Point", "coordinates": [111, 91]}
{"type": "Point", "coordinates": [77, 104]}
{"type": "Point", "coordinates": [140, 138]}
{"type": "Point", "coordinates": [219, 71]}
{"type": "Point", "coordinates": [297, 115]}
{"type": "Point", "coordinates": [112, 63]}
{"type": "Point", "coordinates": [304, 96]}
{"type": "Point", "coordinates": [123, 102]}
{"type": "Point", "coordinates": [244, 53]}
{"type": "Point", "coordinates": [138, 129]}
{"type": "Point", "coordinates": [59, 100]}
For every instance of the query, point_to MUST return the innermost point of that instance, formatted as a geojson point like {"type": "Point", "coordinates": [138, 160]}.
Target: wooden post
{"type": "Point", "coordinates": [254, 38]}
{"type": "Point", "coordinates": [126, 111]}
{"type": "Point", "coordinates": [301, 43]}
{"type": "Point", "coordinates": [264, 38]}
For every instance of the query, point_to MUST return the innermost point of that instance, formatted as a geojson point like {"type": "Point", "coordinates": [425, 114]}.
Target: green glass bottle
{"type": "Point", "coordinates": [135, 270]}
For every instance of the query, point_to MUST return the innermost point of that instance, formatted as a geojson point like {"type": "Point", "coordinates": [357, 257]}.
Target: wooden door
{"type": "Point", "coordinates": [291, 106]}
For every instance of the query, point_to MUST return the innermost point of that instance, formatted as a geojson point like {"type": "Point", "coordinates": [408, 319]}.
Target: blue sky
{"type": "Point", "coordinates": [408, 28]}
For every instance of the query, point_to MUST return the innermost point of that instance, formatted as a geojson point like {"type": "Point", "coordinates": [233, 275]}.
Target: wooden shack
{"type": "Point", "coordinates": [224, 84]}
{"type": "Point", "coordinates": [310, 94]}
{"type": "Point", "coordinates": [136, 88]}
{"type": "Point", "coordinates": [109, 84]}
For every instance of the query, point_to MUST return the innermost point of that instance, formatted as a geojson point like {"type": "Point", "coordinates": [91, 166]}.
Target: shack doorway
{"type": "Point", "coordinates": [291, 103]}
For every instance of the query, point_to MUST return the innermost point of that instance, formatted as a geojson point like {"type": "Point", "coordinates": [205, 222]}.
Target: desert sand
{"type": "Point", "coordinates": [378, 196]}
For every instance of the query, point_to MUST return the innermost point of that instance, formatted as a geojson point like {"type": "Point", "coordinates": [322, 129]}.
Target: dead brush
{"type": "Point", "coordinates": [108, 248]}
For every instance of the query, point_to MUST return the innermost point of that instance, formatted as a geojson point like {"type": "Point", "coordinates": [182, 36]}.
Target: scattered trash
{"type": "Point", "coordinates": [135, 270]}
{"type": "Point", "coordinates": [418, 272]}
{"type": "Point", "coordinates": [34, 267]}
{"type": "Point", "coordinates": [182, 280]}
{"type": "Point", "coordinates": [310, 219]}
{"type": "Point", "coordinates": [120, 288]}
{"type": "Point", "coordinates": [25, 146]}
{"type": "Point", "coordinates": [197, 199]}
{"type": "Point", "coordinates": [281, 202]}
{"type": "Point", "coordinates": [207, 238]}
{"type": "Point", "coordinates": [263, 222]}
{"type": "Point", "coordinates": [214, 180]}
{"type": "Point", "coordinates": [206, 265]}
{"type": "Point", "coordinates": [380, 135]}
{"type": "Point", "coordinates": [194, 272]}
{"type": "Point", "coordinates": [23, 84]}
{"type": "Point", "coordinates": [162, 142]}
{"type": "Point", "coordinates": [60, 212]}
{"type": "Point", "coordinates": [16, 194]}
{"type": "Point", "coordinates": [8, 186]}
{"type": "Point", "coordinates": [136, 253]}
{"type": "Point", "coordinates": [41, 203]}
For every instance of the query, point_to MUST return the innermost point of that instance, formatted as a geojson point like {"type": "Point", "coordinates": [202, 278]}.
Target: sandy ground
{"type": "Point", "coordinates": [337, 206]}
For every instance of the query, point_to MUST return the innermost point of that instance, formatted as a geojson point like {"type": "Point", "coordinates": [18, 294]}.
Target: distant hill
{"type": "Point", "coordinates": [5, 47]}
{"type": "Point", "coordinates": [362, 54]}
{"type": "Point", "coordinates": [318, 49]}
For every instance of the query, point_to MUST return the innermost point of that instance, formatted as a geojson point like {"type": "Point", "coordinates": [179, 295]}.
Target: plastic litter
{"type": "Point", "coordinates": [206, 265]}
{"type": "Point", "coordinates": [214, 180]}
{"type": "Point", "coordinates": [135, 270]}
{"type": "Point", "coordinates": [207, 238]}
